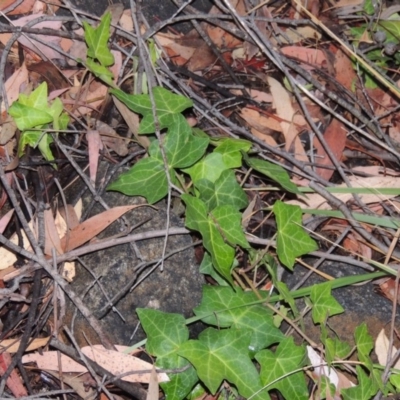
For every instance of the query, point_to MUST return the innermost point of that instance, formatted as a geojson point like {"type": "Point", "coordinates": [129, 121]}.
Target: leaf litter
{"type": "Point", "coordinates": [237, 86]}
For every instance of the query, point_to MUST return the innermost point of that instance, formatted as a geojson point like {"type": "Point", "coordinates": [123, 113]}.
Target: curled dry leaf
{"type": "Point", "coordinates": [383, 351]}
{"type": "Point", "coordinates": [286, 113]}
{"type": "Point", "coordinates": [116, 362]}
{"type": "Point", "coordinates": [94, 146]}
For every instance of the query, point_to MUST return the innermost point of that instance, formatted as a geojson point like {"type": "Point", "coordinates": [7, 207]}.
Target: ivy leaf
{"type": "Point", "coordinates": [363, 391]}
{"type": "Point", "coordinates": [292, 240]}
{"type": "Point", "coordinates": [27, 117]}
{"type": "Point", "coordinates": [206, 268]}
{"type": "Point", "coordinates": [102, 72]}
{"type": "Point", "coordinates": [335, 348]}
{"type": "Point", "coordinates": [97, 41]}
{"type": "Point", "coordinates": [37, 99]}
{"type": "Point", "coordinates": [229, 220]}
{"type": "Point", "coordinates": [225, 191]}
{"type": "Point", "coordinates": [166, 104]}
{"type": "Point", "coordinates": [182, 148]}
{"type": "Point", "coordinates": [324, 304]}
{"type": "Point", "coordinates": [146, 178]}
{"type": "Point", "coordinates": [30, 138]}
{"type": "Point", "coordinates": [209, 168]}
{"type": "Point", "coordinates": [231, 151]}
{"type": "Point", "coordinates": [44, 147]}
{"type": "Point", "coordinates": [197, 219]}
{"type": "Point", "coordinates": [364, 343]}
{"type": "Point", "coordinates": [273, 171]}
{"type": "Point", "coordinates": [225, 308]}
{"type": "Point", "coordinates": [277, 369]}
{"type": "Point", "coordinates": [165, 334]}
{"type": "Point", "coordinates": [221, 355]}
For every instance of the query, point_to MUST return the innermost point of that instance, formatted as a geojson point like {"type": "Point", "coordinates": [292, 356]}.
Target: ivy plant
{"type": "Point", "coordinates": [243, 344]}
{"type": "Point", "coordinates": [34, 116]}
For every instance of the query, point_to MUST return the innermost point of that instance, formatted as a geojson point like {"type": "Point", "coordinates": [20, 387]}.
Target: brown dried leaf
{"type": "Point", "coordinates": [94, 146]}
{"type": "Point", "coordinates": [12, 345]}
{"type": "Point", "coordinates": [335, 136]}
{"type": "Point", "coordinates": [286, 113]}
{"type": "Point", "coordinates": [52, 237]}
{"type": "Point", "coordinates": [14, 381]}
{"type": "Point", "coordinates": [88, 229]}
{"type": "Point", "coordinates": [116, 362]}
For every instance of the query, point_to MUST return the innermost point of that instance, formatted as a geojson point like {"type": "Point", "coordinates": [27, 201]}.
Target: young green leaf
{"type": "Point", "coordinates": [324, 304]}
{"type": "Point", "coordinates": [37, 99]}
{"type": "Point", "coordinates": [225, 308]}
{"type": "Point", "coordinates": [273, 171]}
{"type": "Point", "coordinates": [209, 168]}
{"type": "Point", "coordinates": [166, 104]}
{"type": "Point", "coordinates": [146, 178]}
{"type": "Point", "coordinates": [221, 355]}
{"type": "Point", "coordinates": [231, 151]}
{"type": "Point", "coordinates": [27, 117]}
{"type": "Point", "coordinates": [278, 370]}
{"type": "Point", "coordinates": [165, 334]}
{"type": "Point", "coordinates": [292, 240]}
{"type": "Point", "coordinates": [97, 41]}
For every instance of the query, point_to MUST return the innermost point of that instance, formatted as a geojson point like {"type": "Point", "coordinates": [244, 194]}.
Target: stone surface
{"type": "Point", "coordinates": [176, 289]}
{"type": "Point", "coordinates": [154, 10]}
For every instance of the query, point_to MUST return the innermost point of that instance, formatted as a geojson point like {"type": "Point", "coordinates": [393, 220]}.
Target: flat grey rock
{"type": "Point", "coordinates": [110, 272]}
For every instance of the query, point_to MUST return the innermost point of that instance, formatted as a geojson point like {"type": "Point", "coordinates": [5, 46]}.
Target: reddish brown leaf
{"type": "Point", "coordinates": [93, 226]}
{"type": "Point", "coordinates": [335, 137]}
{"type": "Point", "coordinates": [14, 382]}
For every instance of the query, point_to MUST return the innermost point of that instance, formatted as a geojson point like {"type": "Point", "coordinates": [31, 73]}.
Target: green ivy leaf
{"type": "Point", "coordinates": [30, 138]}
{"type": "Point", "coordinates": [221, 355]}
{"type": "Point", "coordinates": [27, 117]}
{"type": "Point", "coordinates": [209, 168]}
{"type": "Point", "coordinates": [225, 191]}
{"type": "Point", "coordinates": [277, 370]}
{"type": "Point", "coordinates": [97, 41]}
{"type": "Point", "coordinates": [273, 171]}
{"type": "Point", "coordinates": [324, 304]}
{"type": "Point", "coordinates": [206, 268]}
{"type": "Point", "coordinates": [335, 348]}
{"type": "Point", "coordinates": [229, 221]}
{"type": "Point", "coordinates": [225, 308]}
{"type": "Point", "coordinates": [37, 99]}
{"type": "Point", "coordinates": [44, 147]}
{"type": "Point", "coordinates": [146, 178]}
{"type": "Point", "coordinates": [182, 148]}
{"type": "Point", "coordinates": [166, 104]}
{"type": "Point", "coordinates": [364, 343]}
{"type": "Point", "coordinates": [197, 219]}
{"type": "Point", "coordinates": [231, 151]}
{"type": "Point", "coordinates": [292, 240]}
{"type": "Point", "coordinates": [363, 391]}
{"type": "Point", "coordinates": [165, 334]}
{"type": "Point", "coordinates": [102, 72]}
